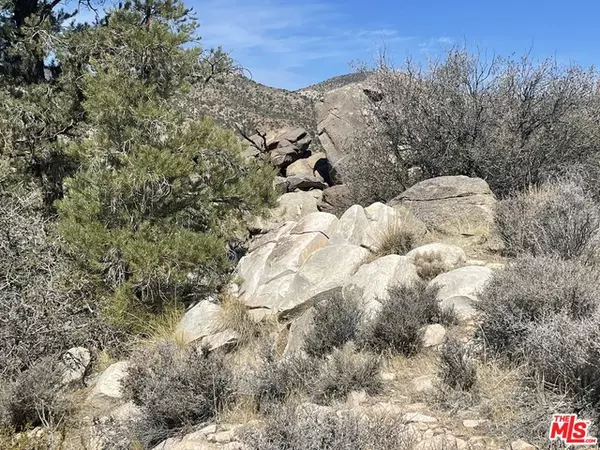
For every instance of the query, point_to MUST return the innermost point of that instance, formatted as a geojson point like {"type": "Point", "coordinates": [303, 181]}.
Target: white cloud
{"type": "Point", "coordinates": [278, 41]}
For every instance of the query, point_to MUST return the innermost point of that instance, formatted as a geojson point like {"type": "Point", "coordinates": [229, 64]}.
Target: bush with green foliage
{"type": "Point", "coordinates": [558, 218]}
{"type": "Point", "coordinates": [510, 121]}
{"type": "Point", "coordinates": [398, 325]}
{"type": "Point", "coordinates": [157, 196]}
{"type": "Point", "coordinates": [175, 387]}
{"type": "Point", "coordinates": [531, 291]}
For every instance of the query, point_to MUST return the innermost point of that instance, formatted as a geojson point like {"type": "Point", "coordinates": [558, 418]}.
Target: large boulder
{"type": "Point", "coordinates": [108, 386]}
{"type": "Point", "coordinates": [370, 284]}
{"type": "Point", "coordinates": [325, 272]}
{"type": "Point", "coordinates": [459, 289]}
{"type": "Point", "coordinates": [290, 207]}
{"type": "Point", "coordinates": [201, 321]}
{"type": "Point", "coordinates": [368, 226]}
{"type": "Point", "coordinates": [340, 117]}
{"type": "Point", "coordinates": [289, 146]}
{"type": "Point", "coordinates": [336, 200]}
{"type": "Point", "coordinates": [453, 205]}
{"type": "Point", "coordinates": [268, 271]}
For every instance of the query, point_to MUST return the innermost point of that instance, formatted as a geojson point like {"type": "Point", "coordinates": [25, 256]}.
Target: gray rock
{"type": "Point", "coordinates": [76, 361]}
{"type": "Point", "coordinates": [453, 205]}
{"type": "Point", "coordinates": [298, 330]}
{"type": "Point", "coordinates": [202, 320]}
{"type": "Point", "coordinates": [433, 335]}
{"type": "Point", "coordinates": [250, 269]}
{"type": "Point", "coordinates": [370, 284]}
{"type": "Point", "coordinates": [424, 383]}
{"type": "Point", "coordinates": [336, 200]}
{"type": "Point", "coordinates": [340, 117]}
{"type": "Point", "coordinates": [367, 227]}
{"type": "Point", "coordinates": [290, 207]}
{"type": "Point", "coordinates": [302, 168]}
{"type": "Point", "coordinates": [326, 271]}
{"type": "Point", "coordinates": [459, 288]}
{"type": "Point", "coordinates": [304, 183]}
{"type": "Point", "coordinates": [318, 222]}
{"type": "Point", "coordinates": [418, 417]}
{"type": "Point", "coordinates": [108, 385]}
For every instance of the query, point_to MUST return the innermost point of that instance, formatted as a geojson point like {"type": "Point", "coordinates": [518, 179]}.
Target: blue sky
{"type": "Point", "coordinates": [294, 43]}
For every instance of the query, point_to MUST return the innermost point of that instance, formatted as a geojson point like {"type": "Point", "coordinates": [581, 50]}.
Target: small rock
{"type": "Point", "coordinates": [355, 398]}
{"type": "Point", "coordinates": [388, 376]}
{"type": "Point", "coordinates": [108, 385]}
{"type": "Point", "coordinates": [418, 417]}
{"type": "Point", "coordinates": [76, 361]}
{"type": "Point", "coordinates": [473, 423]}
{"type": "Point", "coordinates": [222, 437]}
{"type": "Point", "coordinates": [423, 383]}
{"type": "Point", "coordinates": [433, 335]}
{"type": "Point", "coordinates": [521, 445]}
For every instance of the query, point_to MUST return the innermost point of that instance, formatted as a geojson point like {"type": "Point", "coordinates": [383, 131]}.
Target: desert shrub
{"type": "Point", "coordinates": [41, 290]}
{"type": "Point", "coordinates": [398, 238]}
{"type": "Point", "coordinates": [566, 353]}
{"type": "Point", "coordinates": [176, 387]}
{"type": "Point", "coordinates": [35, 397]}
{"type": "Point", "coordinates": [278, 379]}
{"type": "Point", "coordinates": [309, 427]}
{"type": "Point", "coordinates": [556, 218]}
{"type": "Point", "coordinates": [457, 367]}
{"type": "Point", "coordinates": [336, 321]}
{"type": "Point", "coordinates": [430, 265]}
{"type": "Point", "coordinates": [530, 291]}
{"type": "Point", "coordinates": [347, 370]}
{"type": "Point", "coordinates": [510, 121]}
{"type": "Point", "coordinates": [235, 317]}
{"type": "Point", "coordinates": [398, 325]}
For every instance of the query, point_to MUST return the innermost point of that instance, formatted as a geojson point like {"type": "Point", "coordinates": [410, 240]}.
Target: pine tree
{"type": "Point", "coordinates": [157, 195]}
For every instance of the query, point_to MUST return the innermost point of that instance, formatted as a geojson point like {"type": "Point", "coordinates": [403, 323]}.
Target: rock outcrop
{"type": "Point", "coordinates": [452, 205]}
{"type": "Point", "coordinates": [340, 117]}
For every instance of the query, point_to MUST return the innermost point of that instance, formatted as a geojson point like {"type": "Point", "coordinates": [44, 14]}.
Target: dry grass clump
{"type": "Point", "coordinates": [395, 239]}
{"type": "Point", "coordinates": [558, 218]}
{"type": "Point", "coordinates": [347, 370]}
{"type": "Point", "coordinates": [235, 317]}
{"type": "Point", "coordinates": [431, 264]}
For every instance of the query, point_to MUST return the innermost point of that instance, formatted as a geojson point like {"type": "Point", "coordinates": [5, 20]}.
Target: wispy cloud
{"type": "Point", "coordinates": [278, 42]}
{"type": "Point", "coordinates": [291, 44]}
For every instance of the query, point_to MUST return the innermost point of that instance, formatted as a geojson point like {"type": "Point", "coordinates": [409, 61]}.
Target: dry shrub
{"type": "Point", "coordinates": [457, 367]}
{"type": "Point", "coordinates": [36, 397]}
{"type": "Point", "coordinates": [176, 387]}
{"type": "Point", "coordinates": [235, 316]}
{"type": "Point", "coordinates": [558, 218]}
{"type": "Point", "coordinates": [510, 121]}
{"type": "Point", "coordinates": [398, 325]}
{"type": "Point", "coordinates": [308, 427]}
{"type": "Point", "coordinates": [336, 321]}
{"type": "Point", "coordinates": [347, 370]}
{"type": "Point", "coordinates": [277, 379]}
{"type": "Point", "coordinates": [530, 291]}
{"type": "Point", "coordinates": [45, 304]}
